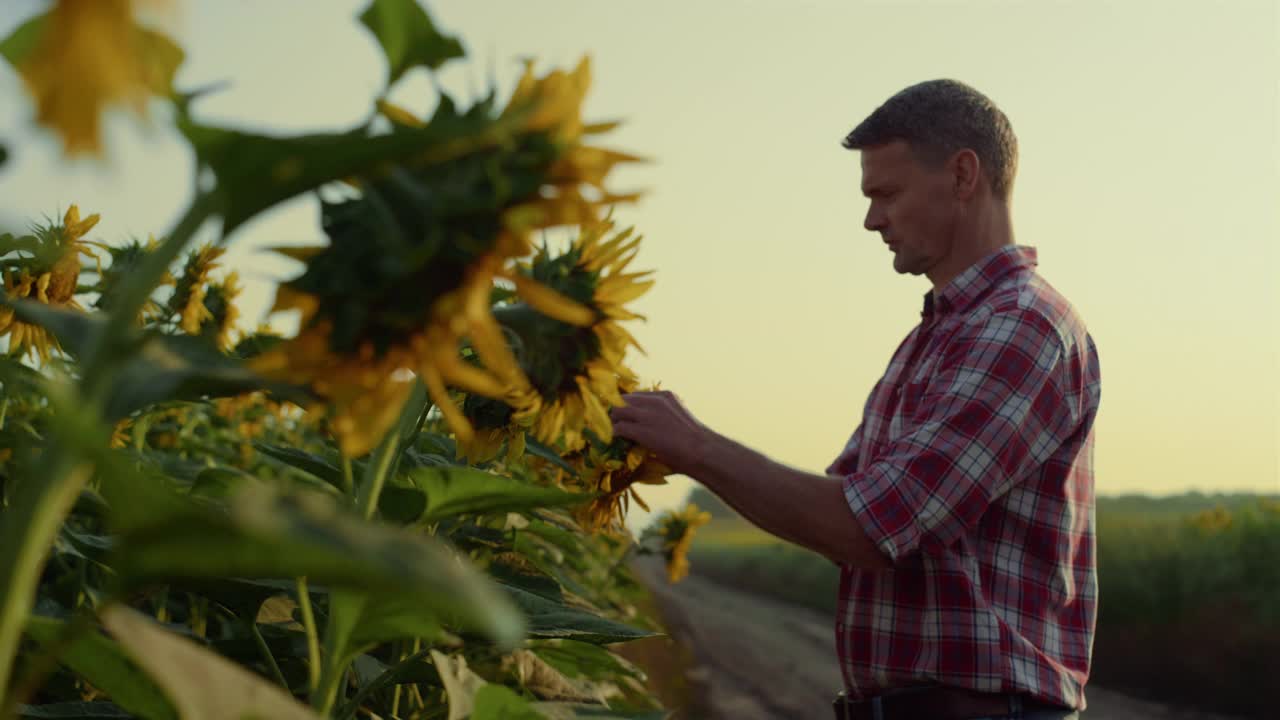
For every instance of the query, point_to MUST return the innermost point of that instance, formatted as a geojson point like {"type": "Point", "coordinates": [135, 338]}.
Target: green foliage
{"type": "Point", "coordinates": [408, 37]}
{"type": "Point", "coordinates": [102, 661]}
{"type": "Point", "coordinates": [431, 494]}
{"type": "Point", "coordinates": [218, 553]}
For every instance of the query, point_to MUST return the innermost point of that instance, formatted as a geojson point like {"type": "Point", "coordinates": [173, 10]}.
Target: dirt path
{"type": "Point", "coordinates": [758, 659]}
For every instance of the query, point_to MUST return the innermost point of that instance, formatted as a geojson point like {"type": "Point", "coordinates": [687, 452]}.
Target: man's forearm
{"type": "Point", "coordinates": [806, 509]}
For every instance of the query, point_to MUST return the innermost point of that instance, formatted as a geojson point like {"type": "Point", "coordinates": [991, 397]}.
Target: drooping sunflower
{"type": "Point", "coordinates": [613, 471]}
{"type": "Point", "coordinates": [192, 284]}
{"type": "Point", "coordinates": [49, 273]}
{"type": "Point", "coordinates": [220, 313]}
{"type": "Point", "coordinates": [576, 367]}
{"type": "Point", "coordinates": [124, 261]}
{"type": "Point", "coordinates": [676, 530]}
{"type": "Point", "coordinates": [366, 379]}
{"type": "Point", "coordinates": [405, 286]}
{"type": "Point", "coordinates": [91, 54]}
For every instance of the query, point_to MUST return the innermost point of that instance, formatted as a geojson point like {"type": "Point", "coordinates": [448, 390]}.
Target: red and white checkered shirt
{"type": "Point", "coordinates": [972, 469]}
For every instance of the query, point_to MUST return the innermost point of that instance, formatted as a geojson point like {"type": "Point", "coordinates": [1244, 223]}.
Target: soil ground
{"type": "Point", "coordinates": [751, 658]}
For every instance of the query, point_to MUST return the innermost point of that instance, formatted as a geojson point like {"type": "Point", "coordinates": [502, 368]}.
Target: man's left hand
{"type": "Point", "coordinates": [660, 422]}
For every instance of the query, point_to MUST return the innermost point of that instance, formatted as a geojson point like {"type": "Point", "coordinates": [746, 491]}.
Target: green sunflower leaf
{"type": "Point", "coordinates": [265, 533]}
{"type": "Point", "coordinates": [496, 702]}
{"type": "Point", "coordinates": [550, 619]}
{"type": "Point", "coordinates": [408, 37]}
{"type": "Point", "coordinates": [23, 40]}
{"type": "Point", "coordinates": [102, 661]}
{"type": "Point", "coordinates": [255, 172]}
{"type": "Point", "coordinates": [429, 494]}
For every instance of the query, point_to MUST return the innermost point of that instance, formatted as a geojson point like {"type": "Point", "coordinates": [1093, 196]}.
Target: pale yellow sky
{"type": "Point", "coordinates": [1149, 182]}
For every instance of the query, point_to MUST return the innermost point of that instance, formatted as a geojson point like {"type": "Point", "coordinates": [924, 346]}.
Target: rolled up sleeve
{"type": "Point", "coordinates": [994, 411]}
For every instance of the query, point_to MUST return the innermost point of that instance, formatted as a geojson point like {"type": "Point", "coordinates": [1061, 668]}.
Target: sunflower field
{"type": "Point", "coordinates": [414, 506]}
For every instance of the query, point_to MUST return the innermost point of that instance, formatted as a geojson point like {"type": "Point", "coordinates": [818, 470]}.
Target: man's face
{"type": "Point", "coordinates": [911, 206]}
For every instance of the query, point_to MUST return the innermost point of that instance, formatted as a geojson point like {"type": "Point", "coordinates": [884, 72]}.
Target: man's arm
{"type": "Point", "coordinates": [808, 510]}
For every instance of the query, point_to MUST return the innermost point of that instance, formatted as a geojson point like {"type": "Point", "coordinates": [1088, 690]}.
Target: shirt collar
{"type": "Point", "coordinates": [974, 281]}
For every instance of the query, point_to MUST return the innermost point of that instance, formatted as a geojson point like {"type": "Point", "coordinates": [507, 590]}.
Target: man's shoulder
{"type": "Point", "coordinates": [1032, 300]}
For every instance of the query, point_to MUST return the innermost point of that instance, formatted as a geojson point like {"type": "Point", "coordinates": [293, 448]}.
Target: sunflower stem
{"type": "Point", "coordinates": [261, 642]}
{"type": "Point", "coordinates": [313, 641]}
{"type": "Point", "coordinates": [30, 527]}
{"type": "Point", "coordinates": [387, 452]}
{"type": "Point", "coordinates": [348, 476]}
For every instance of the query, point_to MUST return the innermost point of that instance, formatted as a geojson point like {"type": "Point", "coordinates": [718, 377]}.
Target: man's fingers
{"type": "Point", "coordinates": [626, 430]}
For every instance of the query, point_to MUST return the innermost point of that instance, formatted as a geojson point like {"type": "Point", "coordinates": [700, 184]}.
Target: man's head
{"type": "Point", "coordinates": [938, 163]}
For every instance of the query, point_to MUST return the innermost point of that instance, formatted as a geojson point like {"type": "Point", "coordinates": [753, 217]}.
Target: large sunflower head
{"type": "Point", "coordinates": [46, 268]}
{"type": "Point", "coordinates": [574, 363]}
{"type": "Point", "coordinates": [405, 285]}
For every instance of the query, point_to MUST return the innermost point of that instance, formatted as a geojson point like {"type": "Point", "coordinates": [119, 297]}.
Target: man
{"type": "Point", "coordinates": [961, 510]}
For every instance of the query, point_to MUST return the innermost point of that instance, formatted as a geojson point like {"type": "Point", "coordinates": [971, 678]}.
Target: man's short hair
{"type": "Point", "coordinates": [937, 118]}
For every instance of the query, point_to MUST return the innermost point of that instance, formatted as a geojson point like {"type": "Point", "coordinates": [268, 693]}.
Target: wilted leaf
{"type": "Point", "coordinates": [548, 683]}
{"type": "Point", "coordinates": [202, 685]}
{"type": "Point", "coordinates": [460, 683]}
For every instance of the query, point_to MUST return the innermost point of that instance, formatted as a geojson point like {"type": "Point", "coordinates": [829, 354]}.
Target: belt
{"type": "Point", "coordinates": [938, 703]}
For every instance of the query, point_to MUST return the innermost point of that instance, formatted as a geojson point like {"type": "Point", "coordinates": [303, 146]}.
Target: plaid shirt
{"type": "Point", "coordinates": [972, 469]}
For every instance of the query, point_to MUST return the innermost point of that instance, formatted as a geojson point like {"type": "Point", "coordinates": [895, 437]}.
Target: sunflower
{"type": "Point", "coordinates": [676, 530]}
{"type": "Point", "coordinates": [366, 385]}
{"type": "Point", "coordinates": [405, 286]}
{"type": "Point", "coordinates": [576, 365]}
{"type": "Point", "coordinates": [125, 260]}
{"type": "Point", "coordinates": [189, 291]}
{"type": "Point", "coordinates": [219, 314]}
{"type": "Point", "coordinates": [613, 471]}
{"type": "Point", "coordinates": [121, 433]}
{"type": "Point", "coordinates": [90, 54]}
{"type": "Point", "coordinates": [49, 276]}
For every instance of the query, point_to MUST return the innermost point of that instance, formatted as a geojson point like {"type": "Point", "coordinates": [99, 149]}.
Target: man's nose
{"type": "Point", "coordinates": [874, 220]}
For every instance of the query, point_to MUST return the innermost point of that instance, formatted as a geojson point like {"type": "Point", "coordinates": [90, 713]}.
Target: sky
{"type": "Point", "coordinates": [1149, 183]}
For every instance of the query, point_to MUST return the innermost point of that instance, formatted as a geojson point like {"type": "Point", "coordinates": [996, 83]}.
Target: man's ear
{"type": "Point", "coordinates": [966, 173]}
